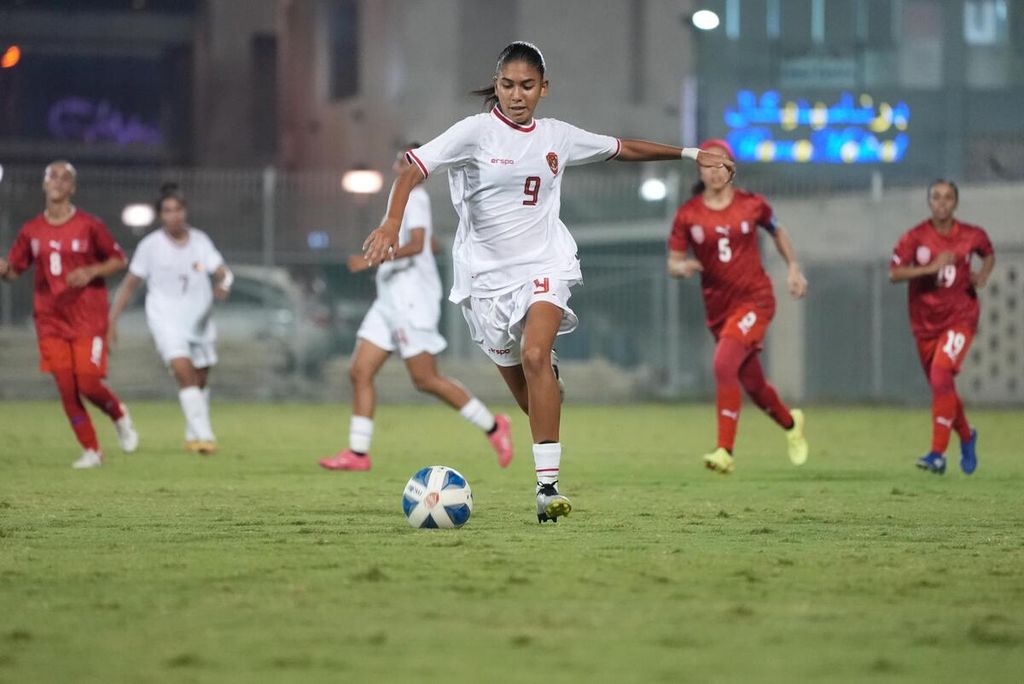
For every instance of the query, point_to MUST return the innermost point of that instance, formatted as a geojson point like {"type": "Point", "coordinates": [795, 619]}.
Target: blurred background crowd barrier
{"type": "Point", "coordinates": [290, 324]}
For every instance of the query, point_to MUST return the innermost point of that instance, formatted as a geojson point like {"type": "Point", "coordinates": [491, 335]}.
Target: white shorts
{"type": "Point", "coordinates": [382, 329]}
{"type": "Point", "coordinates": [175, 346]}
{"type": "Point", "coordinates": [496, 323]}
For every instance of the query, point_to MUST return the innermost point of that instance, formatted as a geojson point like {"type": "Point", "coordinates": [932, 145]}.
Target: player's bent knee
{"type": "Point", "coordinates": [536, 360]}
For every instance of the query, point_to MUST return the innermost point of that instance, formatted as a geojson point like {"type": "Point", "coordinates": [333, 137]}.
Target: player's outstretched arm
{"type": "Point", "coordinates": [795, 280]}
{"type": "Point", "coordinates": [980, 278]}
{"type": "Point", "coordinates": [84, 275]}
{"type": "Point", "coordinates": [8, 272]}
{"type": "Point", "coordinates": [382, 242]}
{"type": "Point", "coordinates": [644, 150]}
{"type": "Point", "coordinates": [121, 300]}
{"type": "Point", "coordinates": [223, 279]}
{"type": "Point", "coordinates": [899, 273]}
{"type": "Point", "coordinates": [681, 266]}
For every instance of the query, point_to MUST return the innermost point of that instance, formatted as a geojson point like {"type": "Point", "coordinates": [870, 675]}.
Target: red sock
{"type": "Point", "coordinates": [960, 424]}
{"type": "Point", "coordinates": [98, 393]}
{"type": "Point", "coordinates": [943, 414]}
{"type": "Point", "coordinates": [729, 356]}
{"type": "Point", "coordinates": [944, 401]}
{"type": "Point", "coordinates": [75, 410]}
{"type": "Point", "coordinates": [762, 393]}
{"type": "Point", "coordinates": [729, 402]}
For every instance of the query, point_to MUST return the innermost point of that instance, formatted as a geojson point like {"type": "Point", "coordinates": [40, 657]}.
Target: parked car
{"type": "Point", "coordinates": [265, 304]}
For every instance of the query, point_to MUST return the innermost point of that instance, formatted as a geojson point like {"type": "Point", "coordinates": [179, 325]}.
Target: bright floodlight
{"type": "Point", "coordinates": [362, 181]}
{"type": "Point", "coordinates": [705, 20]}
{"type": "Point", "coordinates": [1, 172]}
{"type": "Point", "coordinates": [138, 215]}
{"type": "Point", "coordinates": [653, 190]}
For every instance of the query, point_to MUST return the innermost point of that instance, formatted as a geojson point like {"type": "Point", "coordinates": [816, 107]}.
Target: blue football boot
{"type": "Point", "coordinates": [933, 463]}
{"type": "Point", "coordinates": [968, 454]}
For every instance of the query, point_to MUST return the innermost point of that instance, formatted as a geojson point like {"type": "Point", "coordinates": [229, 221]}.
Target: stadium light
{"type": "Point", "coordinates": [705, 20]}
{"type": "Point", "coordinates": [362, 181]}
{"type": "Point", "coordinates": [138, 215]}
{"type": "Point", "coordinates": [11, 57]}
{"type": "Point", "coordinates": [1, 173]}
{"type": "Point", "coordinates": [653, 190]}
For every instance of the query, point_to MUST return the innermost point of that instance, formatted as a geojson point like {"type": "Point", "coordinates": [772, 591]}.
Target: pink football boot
{"type": "Point", "coordinates": [346, 460]}
{"type": "Point", "coordinates": [501, 439]}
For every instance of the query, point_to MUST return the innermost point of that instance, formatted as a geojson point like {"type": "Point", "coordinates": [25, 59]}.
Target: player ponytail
{"type": "Point", "coordinates": [169, 191]}
{"type": "Point", "coordinates": [519, 51]}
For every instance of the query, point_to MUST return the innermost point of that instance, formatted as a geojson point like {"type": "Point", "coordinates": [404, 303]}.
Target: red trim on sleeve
{"type": "Point", "coordinates": [509, 122]}
{"type": "Point", "coordinates": [413, 159]}
{"type": "Point", "coordinates": [618, 148]}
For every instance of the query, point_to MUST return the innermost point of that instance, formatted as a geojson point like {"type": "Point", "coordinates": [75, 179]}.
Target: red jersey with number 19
{"type": "Point", "coordinates": [724, 241]}
{"type": "Point", "coordinates": [60, 310]}
{"type": "Point", "coordinates": [938, 302]}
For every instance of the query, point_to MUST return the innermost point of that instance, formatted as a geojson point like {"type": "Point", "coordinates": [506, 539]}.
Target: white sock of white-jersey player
{"type": "Point", "coordinates": [477, 413]}
{"type": "Point", "coordinates": [190, 435]}
{"type": "Point", "coordinates": [196, 415]}
{"type": "Point", "coordinates": [546, 459]}
{"type": "Point", "coordinates": [360, 434]}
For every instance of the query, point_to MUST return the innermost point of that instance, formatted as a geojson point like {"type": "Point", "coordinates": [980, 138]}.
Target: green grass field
{"type": "Point", "coordinates": [255, 565]}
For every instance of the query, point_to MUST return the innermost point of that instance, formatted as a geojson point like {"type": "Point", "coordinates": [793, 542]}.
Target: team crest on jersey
{"type": "Point", "coordinates": [924, 255]}
{"type": "Point", "coordinates": [80, 246]}
{"type": "Point", "coordinates": [553, 162]}
{"type": "Point", "coordinates": [745, 227]}
{"type": "Point", "coordinates": [697, 232]}
{"type": "Point", "coordinates": [35, 247]}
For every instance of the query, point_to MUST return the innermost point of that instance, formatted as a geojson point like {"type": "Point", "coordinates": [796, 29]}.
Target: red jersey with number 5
{"type": "Point", "coordinates": [60, 310]}
{"type": "Point", "coordinates": [725, 242]}
{"type": "Point", "coordinates": [938, 302]}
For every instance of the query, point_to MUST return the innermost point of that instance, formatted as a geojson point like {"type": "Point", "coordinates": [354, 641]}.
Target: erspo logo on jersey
{"type": "Point", "coordinates": [503, 162]}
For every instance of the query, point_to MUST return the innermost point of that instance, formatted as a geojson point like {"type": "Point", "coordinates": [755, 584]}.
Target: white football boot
{"type": "Point", "coordinates": [558, 376]}
{"type": "Point", "coordinates": [90, 458]}
{"type": "Point", "coordinates": [126, 434]}
{"type": "Point", "coordinates": [550, 504]}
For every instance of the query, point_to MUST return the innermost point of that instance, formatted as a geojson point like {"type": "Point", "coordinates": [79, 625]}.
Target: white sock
{"type": "Point", "coordinates": [360, 432]}
{"type": "Point", "coordinates": [476, 413]}
{"type": "Point", "coordinates": [546, 458]}
{"type": "Point", "coordinates": [206, 410]}
{"type": "Point", "coordinates": [194, 408]}
{"type": "Point", "coordinates": [190, 434]}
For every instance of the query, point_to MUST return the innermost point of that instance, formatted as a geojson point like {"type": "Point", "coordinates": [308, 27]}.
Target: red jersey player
{"type": "Point", "coordinates": [72, 252]}
{"type": "Point", "coordinates": [718, 225]}
{"type": "Point", "coordinates": [935, 256]}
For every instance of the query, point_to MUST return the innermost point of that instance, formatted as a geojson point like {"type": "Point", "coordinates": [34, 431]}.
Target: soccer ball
{"type": "Point", "coordinates": [437, 496]}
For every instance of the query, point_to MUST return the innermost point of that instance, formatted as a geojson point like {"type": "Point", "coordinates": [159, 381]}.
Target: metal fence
{"type": "Point", "coordinates": [295, 310]}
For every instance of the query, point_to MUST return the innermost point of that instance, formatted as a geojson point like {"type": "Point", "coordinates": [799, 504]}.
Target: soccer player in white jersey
{"type": "Point", "coordinates": [177, 262]}
{"type": "Point", "coordinates": [404, 318]}
{"type": "Point", "coordinates": [515, 260]}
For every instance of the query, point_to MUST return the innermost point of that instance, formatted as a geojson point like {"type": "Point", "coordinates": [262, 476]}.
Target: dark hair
{"type": "Point", "coordinates": [169, 191]}
{"type": "Point", "coordinates": [697, 188]}
{"type": "Point", "coordinates": [943, 181]}
{"type": "Point", "coordinates": [519, 51]}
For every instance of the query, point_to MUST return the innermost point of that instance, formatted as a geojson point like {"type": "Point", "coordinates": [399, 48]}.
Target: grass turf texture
{"type": "Point", "coordinates": [256, 565]}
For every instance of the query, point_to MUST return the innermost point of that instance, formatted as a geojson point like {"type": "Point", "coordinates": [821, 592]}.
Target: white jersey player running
{"type": "Point", "coordinates": [177, 262]}
{"type": "Point", "coordinates": [515, 260]}
{"type": "Point", "coordinates": [404, 318]}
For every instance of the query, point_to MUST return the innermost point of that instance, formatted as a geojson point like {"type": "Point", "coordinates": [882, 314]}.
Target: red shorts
{"type": "Point", "coordinates": [83, 356]}
{"type": "Point", "coordinates": [948, 350]}
{"type": "Point", "coordinates": [748, 324]}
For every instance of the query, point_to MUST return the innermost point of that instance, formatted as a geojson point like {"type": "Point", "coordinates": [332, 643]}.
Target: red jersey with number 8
{"type": "Point", "coordinates": [725, 243]}
{"type": "Point", "coordinates": [60, 310]}
{"type": "Point", "coordinates": [946, 299]}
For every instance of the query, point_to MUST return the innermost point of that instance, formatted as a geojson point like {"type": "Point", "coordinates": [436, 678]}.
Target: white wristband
{"type": "Point", "coordinates": [227, 281]}
{"type": "Point", "coordinates": [690, 153]}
